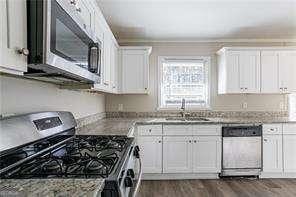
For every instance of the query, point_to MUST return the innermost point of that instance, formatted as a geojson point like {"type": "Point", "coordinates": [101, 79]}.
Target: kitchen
{"type": "Point", "coordinates": [101, 98]}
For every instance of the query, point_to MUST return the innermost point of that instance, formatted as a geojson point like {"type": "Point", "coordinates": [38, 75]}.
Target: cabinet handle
{"type": "Point", "coordinates": [194, 141]}
{"type": "Point", "coordinates": [106, 83]}
{"type": "Point", "coordinates": [246, 88]}
{"type": "Point", "coordinates": [189, 141]}
{"type": "Point", "coordinates": [271, 129]}
{"type": "Point", "coordinates": [73, 2]}
{"type": "Point", "coordinates": [23, 51]}
{"type": "Point", "coordinates": [78, 9]}
{"type": "Point", "coordinates": [265, 140]}
{"type": "Point", "coordinates": [150, 130]}
{"type": "Point", "coordinates": [146, 88]}
{"type": "Point", "coordinates": [281, 88]}
{"type": "Point", "coordinates": [159, 141]}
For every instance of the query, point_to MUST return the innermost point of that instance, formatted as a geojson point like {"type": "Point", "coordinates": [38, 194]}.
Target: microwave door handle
{"type": "Point", "coordinates": [93, 57]}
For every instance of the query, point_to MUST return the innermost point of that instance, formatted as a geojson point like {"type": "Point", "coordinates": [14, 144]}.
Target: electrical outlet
{"type": "Point", "coordinates": [120, 107]}
{"type": "Point", "coordinates": [245, 105]}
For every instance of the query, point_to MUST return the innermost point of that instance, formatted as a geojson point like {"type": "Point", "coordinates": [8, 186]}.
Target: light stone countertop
{"type": "Point", "coordinates": [124, 126]}
{"type": "Point", "coordinates": [107, 126]}
{"type": "Point", "coordinates": [51, 187]}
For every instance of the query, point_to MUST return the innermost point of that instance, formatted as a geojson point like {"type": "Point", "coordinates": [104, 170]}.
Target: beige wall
{"type": "Point", "coordinates": [25, 96]}
{"type": "Point", "coordinates": [146, 103]}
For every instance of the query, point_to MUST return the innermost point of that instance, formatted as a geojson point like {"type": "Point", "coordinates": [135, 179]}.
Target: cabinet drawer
{"type": "Point", "coordinates": [177, 129]}
{"type": "Point", "coordinates": [272, 129]}
{"type": "Point", "coordinates": [150, 130]}
{"type": "Point", "coordinates": [207, 130]}
{"type": "Point", "coordinates": [289, 128]}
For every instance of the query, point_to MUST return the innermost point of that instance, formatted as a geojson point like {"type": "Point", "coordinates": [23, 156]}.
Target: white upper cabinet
{"type": "Point", "coordinates": [269, 72]}
{"type": "Point", "coordinates": [257, 70]}
{"type": "Point", "coordinates": [239, 71]}
{"type": "Point", "coordinates": [278, 71]}
{"type": "Point", "coordinates": [287, 71]}
{"type": "Point", "coordinates": [134, 69]}
{"type": "Point", "coordinates": [107, 60]}
{"type": "Point", "coordinates": [13, 37]}
{"type": "Point", "coordinates": [114, 68]}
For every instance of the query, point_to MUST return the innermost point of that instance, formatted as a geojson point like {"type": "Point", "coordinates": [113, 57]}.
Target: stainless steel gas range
{"type": "Point", "coordinates": [44, 145]}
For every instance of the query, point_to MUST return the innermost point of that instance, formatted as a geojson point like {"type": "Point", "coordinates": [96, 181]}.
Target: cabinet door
{"type": "Point", "coordinates": [177, 154]}
{"type": "Point", "coordinates": [114, 68]}
{"type": "Point", "coordinates": [272, 153]}
{"type": "Point", "coordinates": [13, 36]}
{"type": "Point", "coordinates": [151, 154]}
{"type": "Point", "coordinates": [289, 150]}
{"type": "Point", "coordinates": [233, 84]}
{"type": "Point", "coordinates": [107, 60]}
{"type": "Point", "coordinates": [250, 71]}
{"type": "Point", "coordinates": [207, 154]}
{"type": "Point", "coordinates": [287, 71]}
{"type": "Point", "coordinates": [269, 72]}
{"type": "Point", "coordinates": [134, 71]}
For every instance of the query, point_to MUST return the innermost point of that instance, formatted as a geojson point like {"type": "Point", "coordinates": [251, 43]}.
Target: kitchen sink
{"type": "Point", "coordinates": [176, 119]}
{"type": "Point", "coordinates": [187, 119]}
{"type": "Point", "coordinates": [197, 119]}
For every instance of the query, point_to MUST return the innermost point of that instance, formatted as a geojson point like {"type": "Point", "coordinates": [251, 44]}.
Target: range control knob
{"type": "Point", "coordinates": [128, 182]}
{"type": "Point", "coordinates": [131, 173]}
{"type": "Point", "coordinates": [136, 152]}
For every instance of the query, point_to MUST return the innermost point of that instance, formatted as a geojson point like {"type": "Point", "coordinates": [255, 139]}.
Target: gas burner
{"type": "Point", "coordinates": [52, 166]}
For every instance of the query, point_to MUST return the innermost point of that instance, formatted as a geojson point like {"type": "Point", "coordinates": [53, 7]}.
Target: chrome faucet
{"type": "Point", "coordinates": [183, 108]}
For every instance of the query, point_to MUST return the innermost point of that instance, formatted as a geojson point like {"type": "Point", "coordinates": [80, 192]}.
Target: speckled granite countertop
{"type": "Point", "coordinates": [51, 187]}
{"type": "Point", "coordinates": [123, 126]}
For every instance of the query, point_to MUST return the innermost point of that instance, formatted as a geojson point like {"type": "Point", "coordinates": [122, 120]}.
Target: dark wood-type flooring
{"type": "Point", "coordinates": [219, 188]}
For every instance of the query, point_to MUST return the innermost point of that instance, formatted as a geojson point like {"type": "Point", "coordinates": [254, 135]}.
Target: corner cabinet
{"type": "Point", "coordinates": [13, 37]}
{"type": "Point", "coordinates": [134, 68]}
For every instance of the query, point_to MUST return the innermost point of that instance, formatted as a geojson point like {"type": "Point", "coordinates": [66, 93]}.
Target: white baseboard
{"type": "Point", "coordinates": [179, 176]}
{"type": "Point", "coordinates": [278, 175]}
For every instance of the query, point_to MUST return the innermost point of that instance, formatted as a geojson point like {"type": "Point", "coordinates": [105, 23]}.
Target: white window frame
{"type": "Point", "coordinates": [162, 59]}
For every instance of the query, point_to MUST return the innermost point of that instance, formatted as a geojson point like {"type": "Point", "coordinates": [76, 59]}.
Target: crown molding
{"type": "Point", "coordinates": [205, 40]}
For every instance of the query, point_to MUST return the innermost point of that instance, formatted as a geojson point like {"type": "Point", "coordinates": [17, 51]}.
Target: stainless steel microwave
{"type": "Point", "coordinates": [62, 49]}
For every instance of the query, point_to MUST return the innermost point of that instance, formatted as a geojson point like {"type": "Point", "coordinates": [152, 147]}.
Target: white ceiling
{"type": "Point", "coordinates": [185, 20]}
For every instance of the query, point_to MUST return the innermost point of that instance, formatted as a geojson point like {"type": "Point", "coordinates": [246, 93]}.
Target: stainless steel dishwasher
{"type": "Point", "coordinates": [241, 150]}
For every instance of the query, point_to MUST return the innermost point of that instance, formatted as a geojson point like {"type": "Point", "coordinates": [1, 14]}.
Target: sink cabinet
{"type": "Point", "coordinates": [206, 154]}
{"type": "Point", "coordinates": [181, 148]}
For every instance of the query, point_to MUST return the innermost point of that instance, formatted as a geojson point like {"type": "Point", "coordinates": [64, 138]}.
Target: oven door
{"type": "Point", "coordinates": [71, 46]}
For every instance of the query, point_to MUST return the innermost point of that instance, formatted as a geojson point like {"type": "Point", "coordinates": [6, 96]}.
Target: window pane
{"type": "Point", "coordinates": [186, 80]}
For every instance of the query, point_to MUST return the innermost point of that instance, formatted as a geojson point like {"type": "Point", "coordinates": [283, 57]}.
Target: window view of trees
{"type": "Point", "coordinates": [184, 80]}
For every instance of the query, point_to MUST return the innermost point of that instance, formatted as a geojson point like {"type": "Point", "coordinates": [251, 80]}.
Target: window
{"type": "Point", "coordinates": [184, 78]}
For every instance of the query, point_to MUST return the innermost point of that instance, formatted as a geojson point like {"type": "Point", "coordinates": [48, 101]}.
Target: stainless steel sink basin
{"type": "Point", "coordinates": [176, 119]}
{"type": "Point", "coordinates": [187, 119]}
{"type": "Point", "coordinates": [197, 119]}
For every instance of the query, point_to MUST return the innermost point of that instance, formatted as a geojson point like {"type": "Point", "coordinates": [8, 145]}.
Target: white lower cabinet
{"type": "Point", "coordinates": [207, 154]}
{"type": "Point", "coordinates": [177, 154]}
{"type": "Point", "coordinates": [289, 150]}
{"type": "Point", "coordinates": [272, 153]}
{"type": "Point", "coordinates": [151, 153]}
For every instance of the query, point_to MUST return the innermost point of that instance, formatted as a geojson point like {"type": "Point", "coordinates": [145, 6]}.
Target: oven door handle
{"type": "Point", "coordinates": [139, 178]}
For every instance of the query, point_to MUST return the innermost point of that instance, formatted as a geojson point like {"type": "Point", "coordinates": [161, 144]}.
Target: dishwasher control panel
{"type": "Point", "coordinates": [242, 131]}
